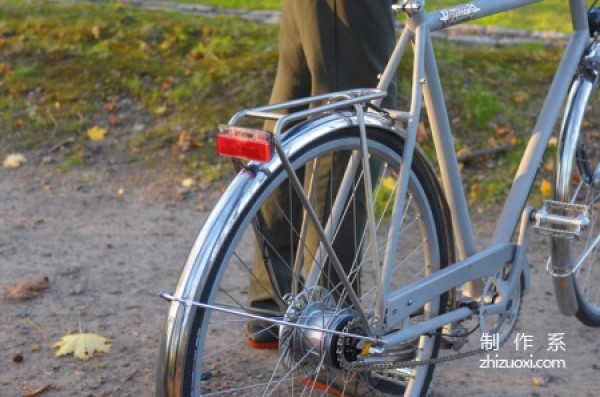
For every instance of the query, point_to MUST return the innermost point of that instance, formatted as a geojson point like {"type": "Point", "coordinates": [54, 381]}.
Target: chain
{"type": "Point", "coordinates": [378, 366]}
{"type": "Point", "coordinates": [358, 366]}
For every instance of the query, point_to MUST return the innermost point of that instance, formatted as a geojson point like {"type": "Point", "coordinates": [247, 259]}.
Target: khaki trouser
{"type": "Point", "coordinates": [324, 45]}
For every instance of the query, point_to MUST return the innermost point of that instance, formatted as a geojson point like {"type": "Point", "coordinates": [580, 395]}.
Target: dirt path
{"type": "Point", "coordinates": [108, 246]}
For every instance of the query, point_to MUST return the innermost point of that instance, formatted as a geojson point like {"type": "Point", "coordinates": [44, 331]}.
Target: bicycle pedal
{"type": "Point", "coordinates": [454, 337]}
{"type": "Point", "coordinates": [561, 220]}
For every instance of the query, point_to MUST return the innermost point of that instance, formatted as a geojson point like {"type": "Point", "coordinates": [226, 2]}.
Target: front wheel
{"type": "Point", "coordinates": [577, 181]}
{"type": "Point", "coordinates": [241, 249]}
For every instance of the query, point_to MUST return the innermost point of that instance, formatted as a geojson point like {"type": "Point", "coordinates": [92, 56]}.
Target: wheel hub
{"type": "Point", "coordinates": [301, 347]}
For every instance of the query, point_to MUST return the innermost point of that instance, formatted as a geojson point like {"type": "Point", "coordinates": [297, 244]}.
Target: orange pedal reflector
{"type": "Point", "coordinates": [244, 143]}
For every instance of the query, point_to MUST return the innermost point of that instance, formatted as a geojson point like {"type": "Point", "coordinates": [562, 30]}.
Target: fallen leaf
{"type": "Point", "coordinates": [184, 141]}
{"type": "Point", "coordinates": [39, 390]}
{"type": "Point", "coordinates": [5, 69]}
{"type": "Point", "coordinates": [110, 106]}
{"type": "Point", "coordinates": [518, 100]}
{"type": "Point", "coordinates": [503, 129]}
{"type": "Point", "coordinates": [27, 289]}
{"type": "Point", "coordinates": [96, 32]}
{"type": "Point", "coordinates": [160, 110]}
{"type": "Point", "coordinates": [82, 345]}
{"type": "Point", "coordinates": [188, 183]}
{"type": "Point", "coordinates": [546, 188]}
{"type": "Point", "coordinates": [96, 133]}
{"type": "Point", "coordinates": [14, 160]}
{"type": "Point", "coordinates": [168, 83]}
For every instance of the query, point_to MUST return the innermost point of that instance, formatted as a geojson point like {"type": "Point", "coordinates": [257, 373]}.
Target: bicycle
{"type": "Point", "coordinates": [376, 327]}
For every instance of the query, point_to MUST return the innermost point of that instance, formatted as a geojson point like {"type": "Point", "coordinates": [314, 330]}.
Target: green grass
{"type": "Point", "coordinates": [248, 4]}
{"type": "Point", "coordinates": [176, 72]}
{"type": "Point", "coordinates": [161, 82]}
{"type": "Point", "coordinates": [549, 15]}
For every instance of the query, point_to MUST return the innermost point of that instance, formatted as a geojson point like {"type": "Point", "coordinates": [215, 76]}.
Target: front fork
{"type": "Point", "coordinates": [568, 141]}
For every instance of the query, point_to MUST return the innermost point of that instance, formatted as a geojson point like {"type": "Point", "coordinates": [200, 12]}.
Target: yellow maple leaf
{"type": "Point", "coordinates": [160, 110]}
{"type": "Point", "coordinates": [188, 183]}
{"type": "Point", "coordinates": [14, 160]}
{"type": "Point", "coordinates": [96, 133]}
{"type": "Point", "coordinates": [546, 188]}
{"type": "Point", "coordinates": [82, 345]}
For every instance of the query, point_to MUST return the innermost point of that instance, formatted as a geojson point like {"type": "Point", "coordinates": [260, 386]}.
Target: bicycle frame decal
{"type": "Point", "coordinates": [454, 15]}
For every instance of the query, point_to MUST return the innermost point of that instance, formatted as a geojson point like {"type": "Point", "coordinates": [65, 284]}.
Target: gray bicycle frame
{"type": "Point", "coordinates": [426, 82]}
{"type": "Point", "coordinates": [396, 307]}
{"type": "Point", "coordinates": [472, 265]}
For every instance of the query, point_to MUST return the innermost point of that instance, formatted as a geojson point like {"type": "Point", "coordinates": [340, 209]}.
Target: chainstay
{"type": "Point", "coordinates": [375, 366]}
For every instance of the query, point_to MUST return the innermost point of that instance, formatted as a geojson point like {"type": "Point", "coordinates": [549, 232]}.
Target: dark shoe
{"type": "Point", "coordinates": [262, 334]}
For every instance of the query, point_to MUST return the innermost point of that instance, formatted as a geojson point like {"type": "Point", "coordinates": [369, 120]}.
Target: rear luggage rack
{"type": "Point", "coordinates": [318, 104]}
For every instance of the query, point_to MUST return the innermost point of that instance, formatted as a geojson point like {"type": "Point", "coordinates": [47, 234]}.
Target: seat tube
{"type": "Point", "coordinates": [444, 145]}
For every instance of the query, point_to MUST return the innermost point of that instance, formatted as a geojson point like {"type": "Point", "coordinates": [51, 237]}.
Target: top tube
{"type": "Point", "coordinates": [460, 13]}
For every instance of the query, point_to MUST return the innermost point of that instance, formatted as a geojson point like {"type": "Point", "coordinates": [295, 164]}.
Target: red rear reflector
{"type": "Point", "coordinates": [244, 143]}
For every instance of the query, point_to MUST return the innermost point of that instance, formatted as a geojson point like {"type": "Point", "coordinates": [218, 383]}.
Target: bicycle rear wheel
{"type": "Point", "coordinates": [577, 181]}
{"type": "Point", "coordinates": [216, 358]}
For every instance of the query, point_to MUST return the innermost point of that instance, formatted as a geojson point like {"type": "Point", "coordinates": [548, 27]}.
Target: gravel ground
{"type": "Point", "coordinates": [108, 244]}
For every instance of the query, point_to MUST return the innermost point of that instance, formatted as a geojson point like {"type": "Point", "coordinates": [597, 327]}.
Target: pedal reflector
{"type": "Point", "coordinates": [244, 143]}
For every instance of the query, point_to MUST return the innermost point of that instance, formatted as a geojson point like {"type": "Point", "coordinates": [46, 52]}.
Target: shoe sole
{"type": "Point", "coordinates": [272, 345]}
{"type": "Point", "coordinates": [324, 387]}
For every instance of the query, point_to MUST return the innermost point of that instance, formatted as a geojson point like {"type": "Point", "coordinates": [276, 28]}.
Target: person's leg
{"type": "Point", "coordinates": [273, 243]}
{"type": "Point", "coordinates": [347, 44]}
{"type": "Point", "coordinates": [346, 47]}
{"type": "Point", "coordinates": [325, 45]}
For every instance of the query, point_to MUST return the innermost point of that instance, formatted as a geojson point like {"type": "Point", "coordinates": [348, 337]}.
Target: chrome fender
{"type": "Point", "coordinates": [225, 217]}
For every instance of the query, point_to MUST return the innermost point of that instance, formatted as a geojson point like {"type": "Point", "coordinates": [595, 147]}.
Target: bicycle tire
{"type": "Point", "coordinates": [204, 335]}
{"type": "Point", "coordinates": [578, 158]}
